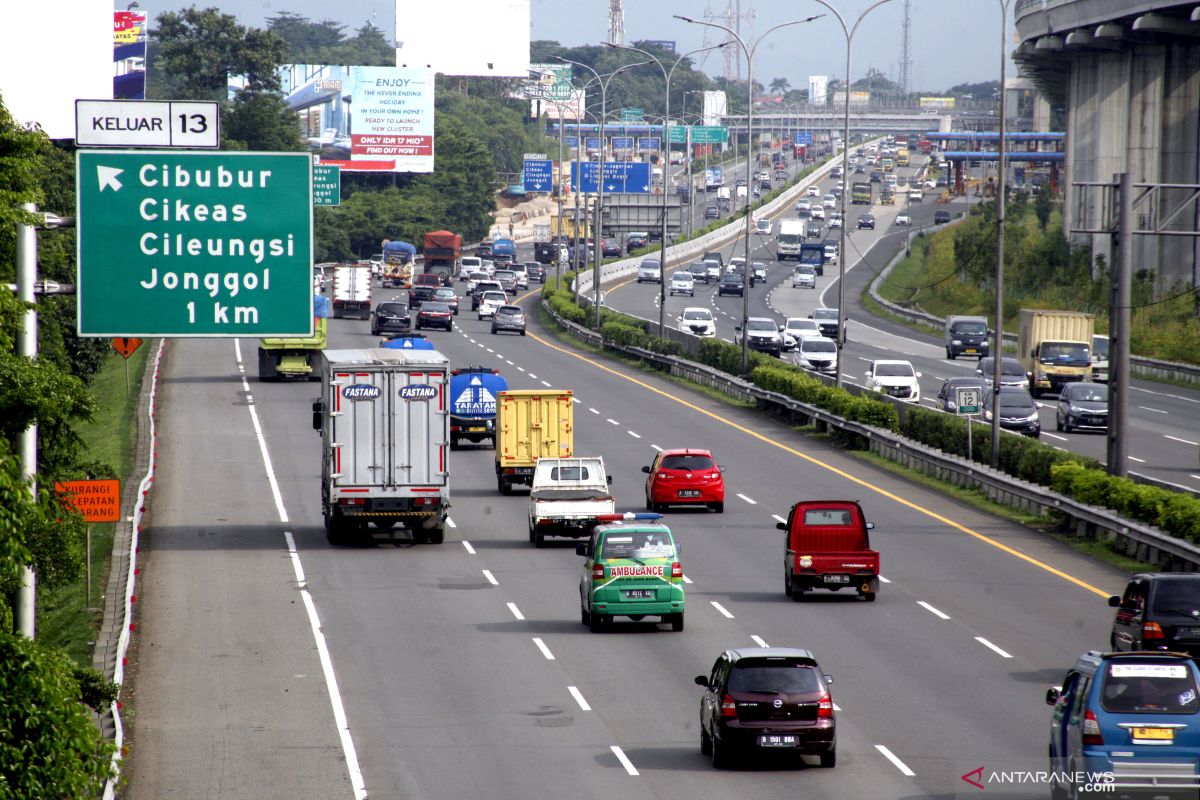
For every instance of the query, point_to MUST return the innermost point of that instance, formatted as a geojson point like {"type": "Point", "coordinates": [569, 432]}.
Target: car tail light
{"type": "Point", "coordinates": [714, 475]}
{"type": "Point", "coordinates": [728, 707]}
{"type": "Point", "coordinates": [676, 570]}
{"type": "Point", "coordinates": [825, 706]}
{"type": "Point", "coordinates": [1152, 630]}
{"type": "Point", "coordinates": [598, 572]}
{"type": "Point", "coordinates": [1091, 729]}
{"type": "Point", "coordinates": [352, 501]}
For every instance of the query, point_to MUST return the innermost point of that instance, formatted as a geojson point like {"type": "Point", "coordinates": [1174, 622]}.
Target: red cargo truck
{"type": "Point", "coordinates": [442, 251]}
{"type": "Point", "coordinates": [827, 547]}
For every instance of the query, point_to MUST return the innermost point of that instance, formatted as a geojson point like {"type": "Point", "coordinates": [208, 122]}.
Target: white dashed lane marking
{"type": "Point", "coordinates": [634, 435]}
{"type": "Point", "coordinates": [594, 411]}
{"type": "Point", "coordinates": [613, 421]}
{"type": "Point", "coordinates": [516, 612]}
{"type": "Point", "coordinates": [932, 610]}
{"type": "Point", "coordinates": [992, 647]}
{"type": "Point", "coordinates": [490, 577]}
{"type": "Point", "coordinates": [624, 759]}
{"type": "Point", "coordinates": [900, 765]}
{"type": "Point", "coordinates": [545, 650]}
{"type": "Point", "coordinates": [468, 547]}
{"type": "Point", "coordinates": [748, 500]}
{"type": "Point", "coordinates": [579, 698]}
{"type": "Point", "coordinates": [725, 613]}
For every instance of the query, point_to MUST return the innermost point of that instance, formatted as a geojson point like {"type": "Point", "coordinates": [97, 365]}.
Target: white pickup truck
{"type": "Point", "coordinates": [568, 495]}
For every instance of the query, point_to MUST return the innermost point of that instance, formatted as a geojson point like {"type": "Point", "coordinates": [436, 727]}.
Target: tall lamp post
{"type": "Point", "coordinates": [849, 32]}
{"type": "Point", "coordinates": [561, 121]}
{"type": "Point", "coordinates": [749, 51]}
{"type": "Point", "coordinates": [662, 252]}
{"type": "Point", "coordinates": [998, 341]}
{"type": "Point", "coordinates": [599, 231]}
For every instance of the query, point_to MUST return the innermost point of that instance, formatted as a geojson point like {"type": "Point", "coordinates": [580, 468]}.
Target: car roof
{"type": "Point", "coordinates": [891, 361]}
{"type": "Point", "coordinates": [636, 527]}
{"type": "Point", "coordinates": [686, 451]}
{"type": "Point", "coordinates": [1090, 662]}
{"type": "Point", "coordinates": [739, 653]}
{"type": "Point", "coordinates": [697, 308]}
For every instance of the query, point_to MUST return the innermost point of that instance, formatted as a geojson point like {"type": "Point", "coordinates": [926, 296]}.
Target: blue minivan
{"type": "Point", "coordinates": [1127, 719]}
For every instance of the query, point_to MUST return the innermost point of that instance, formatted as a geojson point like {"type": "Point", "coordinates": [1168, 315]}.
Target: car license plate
{"type": "Point", "coordinates": [837, 578]}
{"type": "Point", "coordinates": [1154, 734]}
{"type": "Point", "coordinates": [970, 350]}
{"type": "Point", "coordinates": [638, 594]}
{"type": "Point", "coordinates": [476, 429]}
{"type": "Point", "coordinates": [777, 741]}
{"type": "Point", "coordinates": [689, 492]}
{"type": "Point", "coordinates": [1187, 632]}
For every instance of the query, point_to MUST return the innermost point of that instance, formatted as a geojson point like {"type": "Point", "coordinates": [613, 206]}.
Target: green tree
{"type": "Point", "coordinates": [197, 51]}
{"type": "Point", "coordinates": [1043, 205]}
{"type": "Point", "coordinates": [780, 85]}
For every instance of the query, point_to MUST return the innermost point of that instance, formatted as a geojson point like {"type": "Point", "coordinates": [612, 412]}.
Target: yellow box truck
{"type": "Point", "coordinates": [1055, 348]}
{"type": "Point", "coordinates": [532, 424]}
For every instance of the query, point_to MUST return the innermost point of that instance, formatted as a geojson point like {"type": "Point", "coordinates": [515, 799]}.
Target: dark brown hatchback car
{"type": "Point", "coordinates": [1158, 611]}
{"type": "Point", "coordinates": [767, 699]}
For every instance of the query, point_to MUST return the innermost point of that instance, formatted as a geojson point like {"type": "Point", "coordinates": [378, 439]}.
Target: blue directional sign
{"type": "Point", "coordinates": [592, 142]}
{"type": "Point", "coordinates": [539, 176]}
{"type": "Point", "coordinates": [620, 177]}
{"type": "Point", "coordinates": [802, 137]}
{"type": "Point", "coordinates": [571, 141]}
{"type": "Point", "coordinates": [649, 142]}
{"type": "Point", "coordinates": [622, 142]}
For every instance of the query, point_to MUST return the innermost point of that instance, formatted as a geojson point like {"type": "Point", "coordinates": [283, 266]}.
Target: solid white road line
{"type": "Point", "coordinates": [1135, 458]}
{"type": "Point", "coordinates": [467, 545]}
{"type": "Point", "coordinates": [1155, 410]}
{"type": "Point", "coordinates": [1197, 477]}
{"type": "Point", "coordinates": [491, 578]}
{"type": "Point", "coordinates": [932, 610]}
{"type": "Point", "coordinates": [579, 698]}
{"type": "Point", "coordinates": [748, 500]}
{"type": "Point", "coordinates": [624, 759]}
{"type": "Point", "coordinates": [516, 612]}
{"type": "Point", "coordinates": [900, 765]}
{"type": "Point", "coordinates": [721, 609]}
{"type": "Point", "coordinates": [992, 647]}
{"type": "Point", "coordinates": [545, 650]}
{"type": "Point", "coordinates": [1054, 436]}
{"type": "Point", "coordinates": [758, 640]}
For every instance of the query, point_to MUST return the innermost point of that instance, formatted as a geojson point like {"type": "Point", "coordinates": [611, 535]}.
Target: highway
{"type": "Point", "coordinates": [1164, 420]}
{"type": "Point", "coordinates": [271, 665]}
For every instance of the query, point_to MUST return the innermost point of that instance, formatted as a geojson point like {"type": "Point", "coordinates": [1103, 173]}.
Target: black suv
{"type": "Point", "coordinates": [767, 699]}
{"type": "Point", "coordinates": [390, 318]}
{"type": "Point", "coordinates": [731, 283]}
{"type": "Point", "coordinates": [419, 294]}
{"type": "Point", "coordinates": [827, 321]}
{"type": "Point", "coordinates": [535, 271]}
{"type": "Point", "coordinates": [941, 217]}
{"type": "Point", "coordinates": [1158, 611]}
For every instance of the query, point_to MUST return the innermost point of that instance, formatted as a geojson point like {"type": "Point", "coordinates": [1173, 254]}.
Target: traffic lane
{"type": "Point", "coordinates": [228, 689]}
{"type": "Point", "coordinates": [879, 638]}
{"type": "Point", "coordinates": [416, 742]}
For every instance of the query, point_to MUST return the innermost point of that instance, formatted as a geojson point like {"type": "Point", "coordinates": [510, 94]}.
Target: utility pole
{"type": "Point", "coordinates": [26, 608]}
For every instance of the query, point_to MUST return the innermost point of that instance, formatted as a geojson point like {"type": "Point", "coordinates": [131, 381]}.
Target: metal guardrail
{"type": "Point", "coordinates": [1144, 542]}
{"type": "Point", "coordinates": [1141, 365]}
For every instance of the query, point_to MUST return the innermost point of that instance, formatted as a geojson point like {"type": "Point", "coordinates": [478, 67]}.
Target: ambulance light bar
{"type": "Point", "coordinates": [628, 515]}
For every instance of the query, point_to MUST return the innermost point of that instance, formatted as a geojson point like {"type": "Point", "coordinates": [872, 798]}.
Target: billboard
{"type": "Point", "coordinates": [857, 99]}
{"type": "Point", "coordinates": [937, 103]}
{"type": "Point", "coordinates": [490, 37]}
{"type": "Point", "coordinates": [818, 88]}
{"type": "Point", "coordinates": [715, 107]}
{"type": "Point", "coordinates": [570, 108]}
{"type": "Point", "coordinates": [364, 119]}
{"type": "Point", "coordinates": [52, 56]}
{"type": "Point", "coordinates": [129, 55]}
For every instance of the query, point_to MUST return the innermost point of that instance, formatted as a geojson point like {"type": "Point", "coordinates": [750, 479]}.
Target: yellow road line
{"type": "Point", "coordinates": [921, 509]}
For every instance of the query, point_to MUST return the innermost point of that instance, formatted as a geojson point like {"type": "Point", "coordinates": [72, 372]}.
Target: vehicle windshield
{"type": "Point", "coordinates": [443, 293]}
{"type": "Point", "coordinates": [894, 370]}
{"type": "Point", "coordinates": [649, 265]}
{"type": "Point", "coordinates": [479, 276]}
{"type": "Point", "coordinates": [1064, 353]}
{"type": "Point", "coordinates": [494, 297]}
{"type": "Point", "coordinates": [969, 329]}
{"type": "Point", "coordinates": [696, 268]}
{"type": "Point", "coordinates": [825, 313]}
{"type": "Point", "coordinates": [396, 309]}
{"type": "Point", "coordinates": [805, 270]}
{"type": "Point", "coordinates": [509, 311]}
{"type": "Point", "coordinates": [801, 325]}
{"type": "Point", "coordinates": [503, 274]}
{"type": "Point", "coordinates": [822, 345]}
{"type": "Point", "coordinates": [782, 678]}
{"type": "Point", "coordinates": [761, 325]}
{"type": "Point", "coordinates": [691, 463]}
{"type": "Point", "coordinates": [1149, 687]}
{"type": "Point", "coordinates": [1100, 347]}
{"type": "Point", "coordinates": [651, 544]}
{"type": "Point", "coordinates": [1016, 402]}
{"type": "Point", "coordinates": [789, 238]}
{"type": "Point", "coordinates": [1178, 596]}
{"type": "Point", "coordinates": [1087, 394]}
{"type": "Point", "coordinates": [697, 314]}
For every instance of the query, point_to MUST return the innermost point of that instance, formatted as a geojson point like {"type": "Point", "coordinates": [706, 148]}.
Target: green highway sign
{"type": "Point", "coordinates": [967, 400]}
{"type": "Point", "coordinates": [327, 185]}
{"type": "Point", "coordinates": [173, 243]}
{"type": "Point", "coordinates": [632, 114]}
{"type": "Point", "coordinates": [701, 134]}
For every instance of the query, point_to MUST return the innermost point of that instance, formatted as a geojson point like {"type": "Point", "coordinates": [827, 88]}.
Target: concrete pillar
{"type": "Point", "coordinates": [1145, 117]}
{"type": "Point", "coordinates": [1179, 152]}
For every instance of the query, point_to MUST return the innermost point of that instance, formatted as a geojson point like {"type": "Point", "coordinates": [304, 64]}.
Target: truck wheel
{"type": "Point", "coordinates": [584, 616]}
{"type": "Point", "coordinates": [504, 486]}
{"type": "Point", "coordinates": [596, 623]}
{"type": "Point", "coordinates": [949, 354]}
{"type": "Point", "coordinates": [435, 535]}
{"type": "Point", "coordinates": [720, 753]}
{"type": "Point", "coordinates": [336, 531]}
{"type": "Point", "coordinates": [539, 539]}
{"type": "Point", "coordinates": [870, 596]}
{"type": "Point", "coordinates": [677, 622]}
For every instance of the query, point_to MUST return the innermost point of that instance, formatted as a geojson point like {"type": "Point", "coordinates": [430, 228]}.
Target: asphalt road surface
{"type": "Point", "coordinates": [272, 665]}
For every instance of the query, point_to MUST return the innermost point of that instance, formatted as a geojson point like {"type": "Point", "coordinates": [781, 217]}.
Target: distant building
{"type": "Point", "coordinates": [818, 87]}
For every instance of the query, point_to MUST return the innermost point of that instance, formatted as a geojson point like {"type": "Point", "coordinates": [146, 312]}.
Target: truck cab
{"type": "Point", "coordinates": [568, 496]}
{"type": "Point", "coordinates": [827, 546]}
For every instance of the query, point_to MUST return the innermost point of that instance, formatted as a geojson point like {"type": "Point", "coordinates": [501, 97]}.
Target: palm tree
{"type": "Point", "coordinates": [780, 85]}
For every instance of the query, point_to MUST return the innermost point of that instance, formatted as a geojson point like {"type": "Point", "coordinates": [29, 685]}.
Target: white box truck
{"type": "Point", "coordinates": [384, 419]}
{"type": "Point", "coordinates": [352, 290]}
{"type": "Point", "coordinates": [792, 233]}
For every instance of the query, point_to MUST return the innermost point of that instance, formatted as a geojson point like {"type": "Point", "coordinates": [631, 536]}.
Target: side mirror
{"type": "Point", "coordinates": [918, 374]}
{"type": "Point", "coordinates": [646, 470]}
{"type": "Point", "coordinates": [609, 479]}
{"type": "Point", "coordinates": [702, 680]}
{"type": "Point", "coordinates": [1052, 695]}
{"type": "Point", "coordinates": [782, 328]}
{"type": "Point", "coordinates": [828, 678]}
{"type": "Point", "coordinates": [781, 526]}
{"type": "Point", "coordinates": [870, 526]}
{"type": "Point", "coordinates": [318, 411]}
{"type": "Point", "coordinates": [1114, 602]}
{"type": "Point", "coordinates": [737, 327]}
{"type": "Point", "coordinates": [720, 468]}
{"type": "Point", "coordinates": [581, 549]}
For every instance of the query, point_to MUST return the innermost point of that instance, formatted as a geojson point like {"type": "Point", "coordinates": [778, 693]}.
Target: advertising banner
{"type": "Point", "coordinates": [391, 122]}
{"type": "Point", "coordinates": [129, 55]}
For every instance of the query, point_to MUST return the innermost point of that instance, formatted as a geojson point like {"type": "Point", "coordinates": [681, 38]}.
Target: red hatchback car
{"type": "Point", "coordinates": [685, 477]}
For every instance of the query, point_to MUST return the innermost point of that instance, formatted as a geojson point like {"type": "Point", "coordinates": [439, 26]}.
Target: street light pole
{"type": "Point", "coordinates": [665, 146]}
{"type": "Point", "coordinates": [598, 231]}
{"type": "Point", "coordinates": [849, 32]}
{"type": "Point", "coordinates": [998, 347]}
{"type": "Point", "coordinates": [749, 52]}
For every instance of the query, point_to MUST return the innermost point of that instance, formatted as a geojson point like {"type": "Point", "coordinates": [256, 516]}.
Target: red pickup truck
{"type": "Point", "coordinates": [827, 547]}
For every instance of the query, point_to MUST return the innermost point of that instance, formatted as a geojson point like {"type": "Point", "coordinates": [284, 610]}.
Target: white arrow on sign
{"type": "Point", "coordinates": [108, 177]}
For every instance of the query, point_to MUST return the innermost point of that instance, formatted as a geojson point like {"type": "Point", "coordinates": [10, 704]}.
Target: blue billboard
{"type": "Point", "coordinates": [620, 177]}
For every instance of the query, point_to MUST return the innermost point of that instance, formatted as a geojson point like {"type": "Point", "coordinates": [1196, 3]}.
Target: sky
{"type": "Point", "coordinates": [952, 41]}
